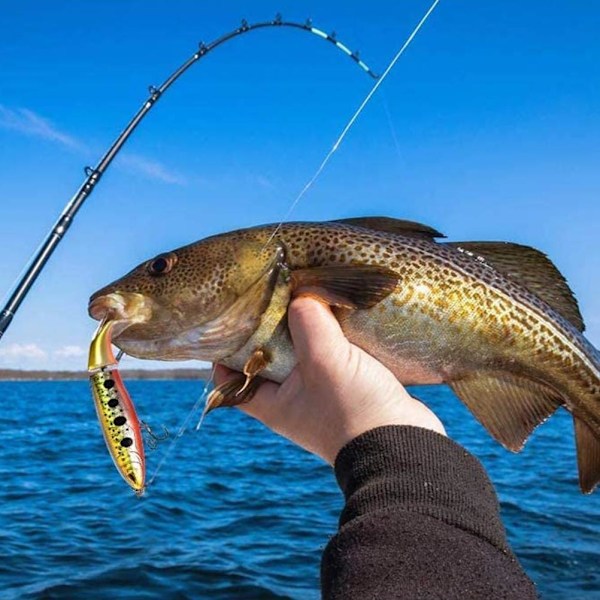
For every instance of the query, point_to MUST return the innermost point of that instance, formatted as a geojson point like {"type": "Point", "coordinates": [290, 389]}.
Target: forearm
{"type": "Point", "coordinates": [421, 520]}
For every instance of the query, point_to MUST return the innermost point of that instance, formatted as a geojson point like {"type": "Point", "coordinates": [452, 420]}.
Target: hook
{"type": "Point", "coordinates": [202, 47]}
{"type": "Point", "coordinates": [89, 171]}
{"type": "Point", "coordinates": [278, 19]}
{"type": "Point", "coordinates": [244, 26]}
{"type": "Point", "coordinates": [152, 438]}
{"type": "Point", "coordinates": [154, 91]}
{"type": "Point", "coordinates": [308, 23]}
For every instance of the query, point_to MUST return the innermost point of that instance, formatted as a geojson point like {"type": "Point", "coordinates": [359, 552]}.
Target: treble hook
{"type": "Point", "coordinates": [152, 438]}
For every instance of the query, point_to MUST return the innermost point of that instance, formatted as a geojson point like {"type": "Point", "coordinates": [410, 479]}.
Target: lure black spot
{"type": "Point", "coordinates": [109, 384]}
{"type": "Point", "coordinates": [113, 402]}
{"type": "Point", "coordinates": [120, 421]}
{"type": "Point", "coordinates": [126, 442]}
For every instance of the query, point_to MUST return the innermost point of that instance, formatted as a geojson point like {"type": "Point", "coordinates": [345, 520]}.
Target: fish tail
{"type": "Point", "coordinates": [588, 456]}
{"type": "Point", "coordinates": [587, 442]}
{"type": "Point", "coordinates": [587, 426]}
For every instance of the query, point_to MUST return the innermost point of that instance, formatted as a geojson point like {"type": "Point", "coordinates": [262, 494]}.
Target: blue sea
{"type": "Point", "coordinates": [235, 511]}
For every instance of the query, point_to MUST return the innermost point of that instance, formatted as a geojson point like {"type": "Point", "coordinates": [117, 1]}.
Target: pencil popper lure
{"type": "Point", "coordinates": [119, 422]}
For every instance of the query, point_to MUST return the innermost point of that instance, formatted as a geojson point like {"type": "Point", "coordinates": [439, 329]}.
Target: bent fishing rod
{"type": "Point", "coordinates": [93, 174]}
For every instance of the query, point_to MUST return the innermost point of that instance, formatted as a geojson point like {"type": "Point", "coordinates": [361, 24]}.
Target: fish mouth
{"type": "Point", "coordinates": [120, 306]}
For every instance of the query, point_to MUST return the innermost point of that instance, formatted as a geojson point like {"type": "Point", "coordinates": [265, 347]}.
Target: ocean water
{"type": "Point", "coordinates": [236, 512]}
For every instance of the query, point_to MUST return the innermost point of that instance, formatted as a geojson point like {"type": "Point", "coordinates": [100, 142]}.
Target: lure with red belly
{"type": "Point", "coordinates": [118, 420]}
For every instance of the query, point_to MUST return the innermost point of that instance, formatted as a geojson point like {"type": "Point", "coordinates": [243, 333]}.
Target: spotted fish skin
{"type": "Point", "coordinates": [452, 317]}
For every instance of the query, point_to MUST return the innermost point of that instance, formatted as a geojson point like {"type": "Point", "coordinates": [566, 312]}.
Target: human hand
{"type": "Point", "coordinates": [336, 391]}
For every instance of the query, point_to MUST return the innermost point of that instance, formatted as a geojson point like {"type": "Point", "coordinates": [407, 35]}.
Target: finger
{"type": "Point", "coordinates": [264, 402]}
{"type": "Point", "coordinates": [316, 333]}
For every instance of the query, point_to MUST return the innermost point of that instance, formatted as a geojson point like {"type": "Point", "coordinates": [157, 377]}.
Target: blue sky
{"type": "Point", "coordinates": [487, 129]}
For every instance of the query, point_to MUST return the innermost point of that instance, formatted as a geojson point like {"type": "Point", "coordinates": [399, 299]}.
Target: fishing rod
{"type": "Point", "coordinates": [93, 174]}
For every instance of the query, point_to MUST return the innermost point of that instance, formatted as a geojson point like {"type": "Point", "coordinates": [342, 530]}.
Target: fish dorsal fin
{"type": "Point", "coordinates": [508, 406]}
{"type": "Point", "coordinates": [397, 226]}
{"type": "Point", "coordinates": [347, 286]}
{"type": "Point", "coordinates": [588, 456]}
{"type": "Point", "coordinates": [532, 269]}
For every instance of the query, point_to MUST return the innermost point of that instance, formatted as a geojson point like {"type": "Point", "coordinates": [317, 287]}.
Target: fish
{"type": "Point", "coordinates": [118, 419]}
{"type": "Point", "coordinates": [495, 321]}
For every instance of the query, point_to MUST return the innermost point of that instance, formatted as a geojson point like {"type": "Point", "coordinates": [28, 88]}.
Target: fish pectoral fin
{"type": "Point", "coordinates": [237, 390]}
{"type": "Point", "coordinates": [588, 456]}
{"type": "Point", "coordinates": [532, 269]}
{"type": "Point", "coordinates": [257, 362]}
{"type": "Point", "coordinates": [346, 286]}
{"type": "Point", "coordinates": [508, 406]}
{"type": "Point", "coordinates": [397, 226]}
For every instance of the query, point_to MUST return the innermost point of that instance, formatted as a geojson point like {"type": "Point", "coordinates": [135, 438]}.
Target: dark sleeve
{"type": "Point", "coordinates": [421, 520]}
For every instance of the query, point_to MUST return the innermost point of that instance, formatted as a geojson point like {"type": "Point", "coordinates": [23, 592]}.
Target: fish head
{"type": "Point", "coordinates": [194, 302]}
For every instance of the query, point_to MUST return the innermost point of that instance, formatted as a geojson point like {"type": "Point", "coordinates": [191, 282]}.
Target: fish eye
{"type": "Point", "coordinates": [162, 264]}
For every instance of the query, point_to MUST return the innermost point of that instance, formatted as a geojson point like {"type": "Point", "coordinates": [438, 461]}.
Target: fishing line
{"type": "Point", "coordinates": [205, 409]}
{"type": "Point", "coordinates": [352, 120]}
{"type": "Point", "coordinates": [393, 133]}
{"type": "Point", "coordinates": [202, 399]}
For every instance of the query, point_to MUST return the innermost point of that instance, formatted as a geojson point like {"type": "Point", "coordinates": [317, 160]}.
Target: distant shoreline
{"type": "Point", "coordinates": [145, 374]}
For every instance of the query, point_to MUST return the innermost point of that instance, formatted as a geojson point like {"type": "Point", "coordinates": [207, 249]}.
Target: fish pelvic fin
{"type": "Point", "coordinates": [345, 286]}
{"type": "Point", "coordinates": [236, 390]}
{"type": "Point", "coordinates": [510, 407]}
{"type": "Point", "coordinates": [588, 456]}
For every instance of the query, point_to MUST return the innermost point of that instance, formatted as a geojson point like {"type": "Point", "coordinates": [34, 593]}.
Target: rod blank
{"type": "Point", "coordinates": [58, 231]}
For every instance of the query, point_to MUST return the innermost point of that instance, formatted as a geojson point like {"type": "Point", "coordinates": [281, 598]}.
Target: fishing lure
{"type": "Point", "coordinates": [119, 422]}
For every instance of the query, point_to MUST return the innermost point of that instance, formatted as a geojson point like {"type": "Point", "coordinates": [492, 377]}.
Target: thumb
{"type": "Point", "coordinates": [316, 333]}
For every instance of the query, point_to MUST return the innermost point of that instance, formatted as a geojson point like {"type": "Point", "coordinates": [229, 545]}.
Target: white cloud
{"type": "Point", "coordinates": [265, 182]}
{"type": "Point", "coordinates": [28, 351]}
{"type": "Point", "coordinates": [70, 351]}
{"type": "Point", "coordinates": [152, 169]}
{"type": "Point", "coordinates": [71, 357]}
{"type": "Point", "coordinates": [29, 123]}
